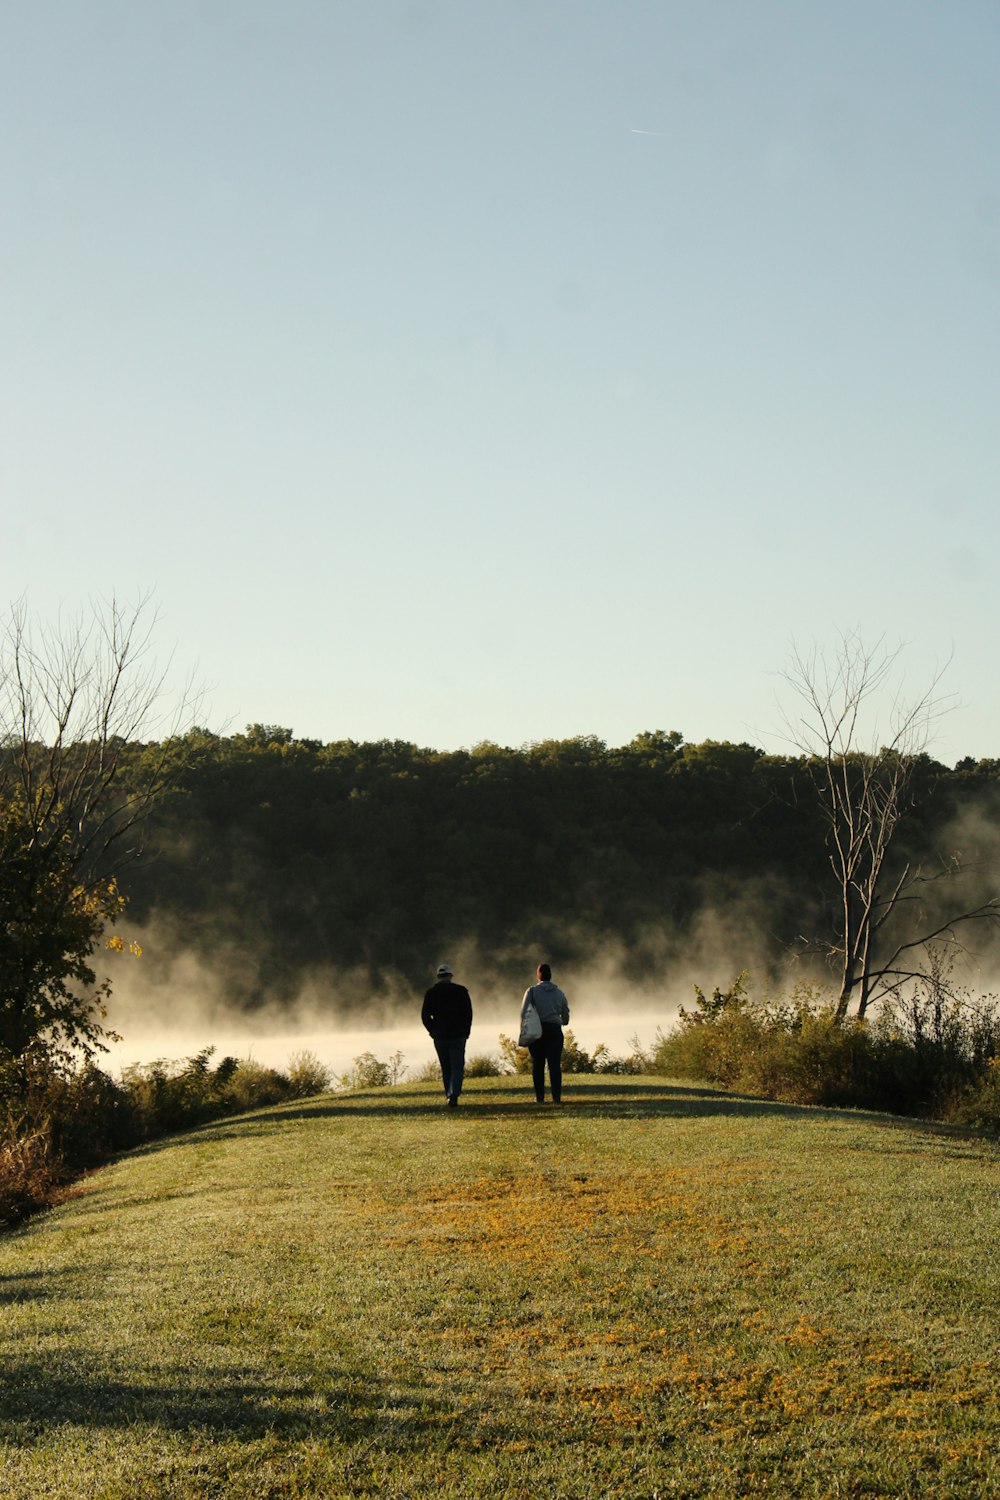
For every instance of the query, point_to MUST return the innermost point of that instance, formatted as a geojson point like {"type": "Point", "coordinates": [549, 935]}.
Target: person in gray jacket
{"type": "Point", "coordinates": [553, 1012]}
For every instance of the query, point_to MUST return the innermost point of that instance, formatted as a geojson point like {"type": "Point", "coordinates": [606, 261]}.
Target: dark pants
{"type": "Point", "coordinates": [451, 1056]}
{"type": "Point", "coordinates": [548, 1049]}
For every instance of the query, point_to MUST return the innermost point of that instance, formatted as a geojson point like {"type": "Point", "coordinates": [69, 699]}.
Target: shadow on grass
{"type": "Point", "coordinates": [37, 1395]}
{"type": "Point", "coordinates": [618, 1100]}
{"type": "Point", "coordinates": [28, 1286]}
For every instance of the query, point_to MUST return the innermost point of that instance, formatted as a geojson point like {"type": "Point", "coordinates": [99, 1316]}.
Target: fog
{"type": "Point", "coordinates": [154, 1024]}
{"type": "Point", "coordinates": [173, 1002]}
{"type": "Point", "coordinates": [185, 994]}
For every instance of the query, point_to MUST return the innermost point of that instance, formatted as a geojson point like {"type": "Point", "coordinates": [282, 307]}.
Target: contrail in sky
{"type": "Point", "coordinates": [646, 132]}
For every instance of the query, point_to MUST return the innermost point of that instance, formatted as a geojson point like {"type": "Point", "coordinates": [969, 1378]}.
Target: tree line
{"type": "Point", "coordinates": [288, 861]}
{"type": "Point", "coordinates": [365, 862]}
{"type": "Point", "coordinates": [375, 858]}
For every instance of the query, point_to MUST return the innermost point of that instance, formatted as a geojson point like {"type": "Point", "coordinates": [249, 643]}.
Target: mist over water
{"type": "Point", "coordinates": [171, 1004]}
{"type": "Point", "coordinates": [337, 1047]}
{"type": "Point", "coordinates": [178, 999]}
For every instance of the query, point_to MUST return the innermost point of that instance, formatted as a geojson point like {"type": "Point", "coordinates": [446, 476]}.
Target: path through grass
{"type": "Point", "coordinates": [657, 1290]}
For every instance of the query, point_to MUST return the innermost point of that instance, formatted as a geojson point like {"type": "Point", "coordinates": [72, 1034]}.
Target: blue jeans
{"type": "Point", "coordinates": [451, 1056]}
{"type": "Point", "coordinates": [548, 1049]}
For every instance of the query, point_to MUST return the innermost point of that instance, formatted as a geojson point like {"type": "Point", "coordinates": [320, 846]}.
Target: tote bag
{"type": "Point", "coordinates": [531, 1026]}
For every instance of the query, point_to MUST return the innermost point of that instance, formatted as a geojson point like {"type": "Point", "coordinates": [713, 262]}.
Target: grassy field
{"type": "Point", "coordinates": [655, 1290]}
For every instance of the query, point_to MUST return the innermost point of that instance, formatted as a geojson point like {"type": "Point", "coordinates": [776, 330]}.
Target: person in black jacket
{"type": "Point", "coordinates": [447, 1015]}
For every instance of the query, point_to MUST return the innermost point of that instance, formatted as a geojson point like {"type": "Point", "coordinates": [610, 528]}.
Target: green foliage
{"type": "Point", "coordinates": [252, 1086]}
{"type": "Point", "coordinates": [307, 1075]}
{"type": "Point", "coordinates": [482, 1065]}
{"type": "Point", "coordinates": [513, 1059]}
{"type": "Point", "coordinates": [369, 1072]}
{"type": "Point", "coordinates": [479, 1065]}
{"type": "Point", "coordinates": [979, 1105]}
{"type": "Point", "coordinates": [169, 1096]}
{"type": "Point", "coordinates": [633, 1063]}
{"type": "Point", "coordinates": [931, 1055]}
{"type": "Point", "coordinates": [57, 1119]}
{"type": "Point", "coordinates": [52, 925]}
{"type": "Point", "coordinates": [574, 1058]}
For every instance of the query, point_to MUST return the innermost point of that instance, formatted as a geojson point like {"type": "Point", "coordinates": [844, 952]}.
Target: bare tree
{"type": "Point", "coordinates": [77, 705]}
{"type": "Point", "coordinates": [865, 787]}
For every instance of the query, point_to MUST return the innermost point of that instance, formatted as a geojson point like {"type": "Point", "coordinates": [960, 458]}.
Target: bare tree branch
{"type": "Point", "coordinates": [76, 782]}
{"type": "Point", "coordinates": [863, 772]}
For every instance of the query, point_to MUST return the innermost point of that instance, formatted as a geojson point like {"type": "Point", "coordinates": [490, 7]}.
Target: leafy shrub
{"type": "Point", "coordinates": [82, 1113]}
{"type": "Point", "coordinates": [923, 1056]}
{"type": "Point", "coordinates": [369, 1072]}
{"type": "Point", "coordinates": [30, 1171]}
{"type": "Point", "coordinates": [91, 1116]}
{"type": "Point", "coordinates": [513, 1059]}
{"type": "Point", "coordinates": [483, 1066]}
{"type": "Point", "coordinates": [574, 1058]}
{"type": "Point", "coordinates": [60, 1120]}
{"type": "Point", "coordinates": [170, 1096]}
{"type": "Point", "coordinates": [254, 1086]}
{"type": "Point", "coordinates": [307, 1075]}
{"type": "Point", "coordinates": [633, 1063]}
{"type": "Point", "coordinates": [979, 1105]}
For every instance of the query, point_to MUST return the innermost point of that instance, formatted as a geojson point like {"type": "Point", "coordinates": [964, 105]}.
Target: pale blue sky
{"type": "Point", "coordinates": [435, 402]}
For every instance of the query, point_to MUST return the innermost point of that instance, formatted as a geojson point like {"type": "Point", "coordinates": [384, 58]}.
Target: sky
{"type": "Point", "coordinates": [456, 371]}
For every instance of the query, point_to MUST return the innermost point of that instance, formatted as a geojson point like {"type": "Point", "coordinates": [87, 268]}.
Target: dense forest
{"type": "Point", "coordinates": [373, 859]}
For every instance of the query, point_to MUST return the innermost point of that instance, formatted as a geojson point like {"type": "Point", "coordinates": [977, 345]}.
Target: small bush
{"type": "Point", "coordinates": [307, 1075]}
{"type": "Point", "coordinates": [483, 1066]}
{"type": "Point", "coordinates": [92, 1117]}
{"type": "Point", "coordinates": [253, 1086]}
{"type": "Point", "coordinates": [170, 1096]}
{"type": "Point", "coordinates": [979, 1105]}
{"type": "Point", "coordinates": [513, 1059]}
{"type": "Point", "coordinates": [574, 1058]}
{"type": "Point", "coordinates": [30, 1171]}
{"type": "Point", "coordinates": [927, 1055]}
{"type": "Point", "coordinates": [369, 1072]}
{"type": "Point", "coordinates": [633, 1063]}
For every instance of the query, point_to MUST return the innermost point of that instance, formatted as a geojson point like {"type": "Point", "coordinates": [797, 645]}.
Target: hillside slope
{"type": "Point", "coordinates": [655, 1290]}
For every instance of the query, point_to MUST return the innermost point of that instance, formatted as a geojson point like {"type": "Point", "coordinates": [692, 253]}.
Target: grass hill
{"type": "Point", "coordinates": [655, 1290]}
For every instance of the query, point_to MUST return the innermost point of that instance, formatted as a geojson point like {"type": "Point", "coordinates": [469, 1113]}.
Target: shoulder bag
{"type": "Point", "coordinates": [531, 1026]}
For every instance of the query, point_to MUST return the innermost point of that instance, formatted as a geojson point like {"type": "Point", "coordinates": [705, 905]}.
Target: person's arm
{"type": "Point", "coordinates": [468, 1013]}
{"type": "Point", "coordinates": [564, 1008]}
{"type": "Point", "coordinates": [427, 1012]}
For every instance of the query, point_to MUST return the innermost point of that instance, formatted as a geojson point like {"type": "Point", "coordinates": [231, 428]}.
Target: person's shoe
{"type": "Point", "coordinates": [452, 1101]}
{"type": "Point", "coordinates": [539, 1098]}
